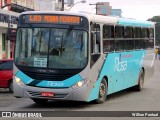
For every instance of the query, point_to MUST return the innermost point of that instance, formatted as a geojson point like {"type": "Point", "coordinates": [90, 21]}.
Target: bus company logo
{"type": "Point", "coordinates": [120, 65]}
{"type": "Point", "coordinates": [55, 84]}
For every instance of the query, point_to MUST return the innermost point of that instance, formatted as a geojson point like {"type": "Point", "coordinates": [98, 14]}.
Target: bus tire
{"type": "Point", "coordinates": [10, 86]}
{"type": "Point", "coordinates": [139, 87]}
{"type": "Point", "coordinates": [39, 101]}
{"type": "Point", "coordinates": [102, 92]}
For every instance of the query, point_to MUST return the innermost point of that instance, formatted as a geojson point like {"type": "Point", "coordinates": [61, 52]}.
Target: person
{"type": "Point", "coordinates": [159, 53]}
{"type": "Point", "coordinates": [156, 53]}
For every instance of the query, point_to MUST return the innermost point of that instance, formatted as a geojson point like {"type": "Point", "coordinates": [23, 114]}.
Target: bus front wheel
{"type": "Point", "coordinates": [102, 92]}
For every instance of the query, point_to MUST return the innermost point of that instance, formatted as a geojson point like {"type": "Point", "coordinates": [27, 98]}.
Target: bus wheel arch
{"type": "Point", "coordinates": [10, 85]}
{"type": "Point", "coordinates": [102, 91]}
{"type": "Point", "coordinates": [140, 84]}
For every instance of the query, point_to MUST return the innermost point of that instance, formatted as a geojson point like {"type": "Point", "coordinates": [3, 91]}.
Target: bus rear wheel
{"type": "Point", "coordinates": [139, 87]}
{"type": "Point", "coordinates": [102, 92]}
{"type": "Point", "coordinates": [40, 101]}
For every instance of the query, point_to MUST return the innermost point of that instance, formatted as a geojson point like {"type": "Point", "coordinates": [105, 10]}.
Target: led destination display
{"type": "Point", "coordinates": [59, 19]}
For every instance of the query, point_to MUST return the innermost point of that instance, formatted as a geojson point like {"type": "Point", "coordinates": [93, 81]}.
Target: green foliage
{"type": "Point", "coordinates": [156, 19]}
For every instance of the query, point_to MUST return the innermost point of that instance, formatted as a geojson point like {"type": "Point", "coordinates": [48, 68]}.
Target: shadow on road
{"type": "Point", "coordinates": [3, 90]}
{"type": "Point", "coordinates": [69, 105]}
{"type": "Point", "coordinates": [61, 104]}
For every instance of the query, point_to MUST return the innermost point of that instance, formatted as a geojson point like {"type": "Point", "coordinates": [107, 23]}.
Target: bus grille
{"type": "Point", "coordinates": [38, 94]}
{"type": "Point", "coordinates": [47, 76]}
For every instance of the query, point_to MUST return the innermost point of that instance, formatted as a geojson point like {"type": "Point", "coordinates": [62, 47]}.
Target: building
{"type": "Point", "coordinates": [116, 12]}
{"type": "Point", "coordinates": [6, 15]}
{"type": "Point", "coordinates": [104, 8]}
{"type": "Point", "coordinates": [70, 3]}
{"type": "Point", "coordinates": [7, 46]}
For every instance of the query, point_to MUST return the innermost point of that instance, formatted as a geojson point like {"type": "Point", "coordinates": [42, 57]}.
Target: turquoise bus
{"type": "Point", "coordinates": [80, 56]}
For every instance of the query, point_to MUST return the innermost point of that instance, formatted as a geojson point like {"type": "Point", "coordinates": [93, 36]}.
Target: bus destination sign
{"type": "Point", "coordinates": [59, 19]}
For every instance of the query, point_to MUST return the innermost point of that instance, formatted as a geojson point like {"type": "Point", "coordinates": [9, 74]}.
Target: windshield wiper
{"type": "Point", "coordinates": [68, 34]}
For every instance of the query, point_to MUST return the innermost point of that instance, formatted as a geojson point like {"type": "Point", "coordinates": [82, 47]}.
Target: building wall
{"type": "Point", "coordinates": [116, 12]}
{"type": "Point", "coordinates": [3, 30]}
{"type": "Point", "coordinates": [70, 2]}
{"type": "Point", "coordinates": [103, 8]}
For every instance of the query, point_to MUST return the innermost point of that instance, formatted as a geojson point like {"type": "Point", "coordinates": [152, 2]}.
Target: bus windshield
{"type": "Point", "coordinates": [54, 48]}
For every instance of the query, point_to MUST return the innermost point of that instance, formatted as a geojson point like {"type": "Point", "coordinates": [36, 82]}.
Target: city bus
{"type": "Point", "coordinates": [80, 56]}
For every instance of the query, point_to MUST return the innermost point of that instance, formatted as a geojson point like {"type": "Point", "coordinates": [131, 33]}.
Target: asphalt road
{"type": "Point", "coordinates": [146, 100]}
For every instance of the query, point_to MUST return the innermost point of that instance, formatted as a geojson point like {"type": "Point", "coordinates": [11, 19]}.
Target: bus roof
{"type": "Point", "coordinates": [134, 23]}
{"type": "Point", "coordinates": [90, 17]}
{"type": "Point", "coordinates": [100, 19]}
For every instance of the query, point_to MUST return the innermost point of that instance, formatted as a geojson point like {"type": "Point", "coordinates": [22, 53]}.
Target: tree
{"type": "Point", "coordinates": [156, 19]}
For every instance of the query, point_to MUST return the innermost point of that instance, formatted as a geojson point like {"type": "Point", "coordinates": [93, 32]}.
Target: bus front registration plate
{"type": "Point", "coordinates": [47, 94]}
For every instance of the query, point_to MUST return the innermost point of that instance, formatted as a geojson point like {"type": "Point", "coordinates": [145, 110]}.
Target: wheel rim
{"type": "Point", "coordinates": [102, 90]}
{"type": "Point", "coordinates": [141, 81]}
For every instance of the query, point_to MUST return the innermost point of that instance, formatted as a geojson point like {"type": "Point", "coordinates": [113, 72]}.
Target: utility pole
{"type": "Point", "coordinates": [62, 9]}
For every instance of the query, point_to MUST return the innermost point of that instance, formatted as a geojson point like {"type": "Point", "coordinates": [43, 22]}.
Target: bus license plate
{"type": "Point", "coordinates": [47, 94]}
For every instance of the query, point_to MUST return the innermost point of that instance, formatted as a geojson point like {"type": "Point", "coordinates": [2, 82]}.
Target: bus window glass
{"type": "Point", "coordinates": [151, 38]}
{"type": "Point", "coordinates": [67, 48]}
{"type": "Point", "coordinates": [138, 44]}
{"type": "Point", "coordinates": [32, 46]}
{"type": "Point", "coordinates": [95, 27]}
{"type": "Point", "coordinates": [108, 46]}
{"type": "Point", "coordinates": [151, 43]}
{"type": "Point", "coordinates": [129, 44]}
{"type": "Point", "coordinates": [95, 38]}
{"type": "Point", "coordinates": [145, 44]}
{"type": "Point", "coordinates": [68, 51]}
{"type": "Point", "coordinates": [145, 33]}
{"type": "Point", "coordinates": [137, 32]}
{"type": "Point", "coordinates": [119, 32]}
{"type": "Point", "coordinates": [151, 34]}
{"type": "Point", "coordinates": [128, 32]}
{"type": "Point", "coordinates": [120, 45]}
{"type": "Point", "coordinates": [108, 31]}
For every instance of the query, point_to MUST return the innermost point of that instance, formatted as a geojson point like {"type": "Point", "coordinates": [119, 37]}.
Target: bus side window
{"type": "Point", "coordinates": [92, 42]}
{"type": "Point", "coordinates": [119, 32]}
{"type": "Point", "coordinates": [95, 42]}
{"type": "Point", "coordinates": [138, 38]}
{"type": "Point", "coordinates": [95, 38]}
{"type": "Point", "coordinates": [97, 46]}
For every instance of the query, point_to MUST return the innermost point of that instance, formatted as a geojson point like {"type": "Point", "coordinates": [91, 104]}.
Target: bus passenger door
{"type": "Point", "coordinates": [95, 51]}
{"type": "Point", "coordinates": [95, 48]}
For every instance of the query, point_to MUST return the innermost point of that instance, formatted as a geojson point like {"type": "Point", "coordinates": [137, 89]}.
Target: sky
{"type": "Point", "coordinates": [137, 9]}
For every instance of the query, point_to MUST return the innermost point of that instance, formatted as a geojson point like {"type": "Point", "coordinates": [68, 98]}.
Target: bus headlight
{"type": "Point", "coordinates": [79, 84]}
{"type": "Point", "coordinates": [19, 81]}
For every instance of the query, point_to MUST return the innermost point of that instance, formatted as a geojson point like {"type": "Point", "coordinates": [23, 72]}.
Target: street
{"type": "Point", "coordinates": [146, 100]}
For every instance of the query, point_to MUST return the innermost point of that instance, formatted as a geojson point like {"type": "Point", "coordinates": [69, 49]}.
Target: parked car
{"type": "Point", "coordinates": [6, 73]}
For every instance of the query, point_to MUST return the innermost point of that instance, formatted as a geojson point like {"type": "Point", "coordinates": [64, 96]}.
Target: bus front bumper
{"type": "Point", "coordinates": [79, 94]}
